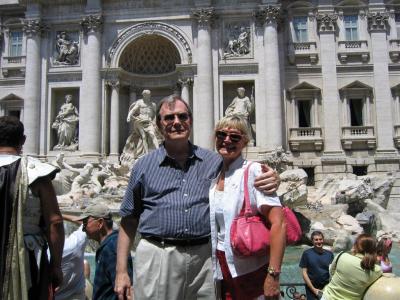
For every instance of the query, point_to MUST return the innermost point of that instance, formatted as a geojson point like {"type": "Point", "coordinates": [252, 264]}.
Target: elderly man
{"type": "Point", "coordinates": [167, 202]}
{"type": "Point", "coordinates": [98, 225]}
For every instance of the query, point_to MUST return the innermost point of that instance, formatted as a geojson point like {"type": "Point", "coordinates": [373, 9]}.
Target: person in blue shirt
{"type": "Point", "coordinates": [315, 266]}
{"type": "Point", "coordinates": [98, 225]}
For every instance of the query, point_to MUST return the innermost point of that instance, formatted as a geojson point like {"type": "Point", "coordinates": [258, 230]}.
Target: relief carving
{"type": "Point", "coordinates": [34, 27]}
{"type": "Point", "coordinates": [92, 23]}
{"type": "Point", "coordinates": [378, 21]}
{"type": "Point", "coordinates": [327, 22]}
{"type": "Point", "coordinates": [237, 42]}
{"type": "Point", "coordinates": [67, 49]}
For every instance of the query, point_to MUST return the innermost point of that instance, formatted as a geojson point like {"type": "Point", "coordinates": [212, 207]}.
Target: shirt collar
{"type": "Point", "coordinates": [194, 152]}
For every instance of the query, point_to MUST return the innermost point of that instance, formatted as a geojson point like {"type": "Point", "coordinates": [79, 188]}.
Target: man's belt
{"type": "Point", "coordinates": [178, 242]}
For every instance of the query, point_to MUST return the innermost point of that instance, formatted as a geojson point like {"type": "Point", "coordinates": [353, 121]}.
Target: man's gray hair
{"type": "Point", "coordinates": [169, 100]}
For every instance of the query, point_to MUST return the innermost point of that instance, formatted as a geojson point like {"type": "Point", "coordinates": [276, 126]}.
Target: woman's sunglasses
{"type": "Point", "coordinates": [234, 137]}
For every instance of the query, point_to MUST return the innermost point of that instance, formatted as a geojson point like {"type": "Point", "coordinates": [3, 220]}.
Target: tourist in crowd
{"type": "Point", "coordinates": [98, 225]}
{"type": "Point", "coordinates": [383, 249]}
{"type": "Point", "coordinates": [314, 264]}
{"type": "Point", "coordinates": [167, 202]}
{"type": "Point", "coordinates": [30, 220]}
{"type": "Point", "coordinates": [353, 272]}
{"type": "Point", "coordinates": [72, 265]}
{"type": "Point", "coordinates": [242, 277]}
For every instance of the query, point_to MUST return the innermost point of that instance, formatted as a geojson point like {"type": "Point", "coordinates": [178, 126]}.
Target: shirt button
{"type": "Point", "coordinates": [186, 229]}
{"type": "Point", "coordinates": [185, 195]}
{"type": "Point", "coordinates": [186, 210]}
{"type": "Point", "coordinates": [183, 180]}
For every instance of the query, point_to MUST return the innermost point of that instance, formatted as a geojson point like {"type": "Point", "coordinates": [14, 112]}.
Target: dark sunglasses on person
{"type": "Point", "coordinates": [171, 117]}
{"type": "Point", "coordinates": [234, 137]}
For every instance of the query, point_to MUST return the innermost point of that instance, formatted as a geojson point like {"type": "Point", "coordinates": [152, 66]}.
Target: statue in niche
{"type": "Point", "coordinates": [66, 124]}
{"type": "Point", "coordinates": [242, 106]}
{"type": "Point", "coordinates": [67, 50]}
{"type": "Point", "coordinates": [142, 114]}
{"type": "Point", "coordinates": [239, 42]}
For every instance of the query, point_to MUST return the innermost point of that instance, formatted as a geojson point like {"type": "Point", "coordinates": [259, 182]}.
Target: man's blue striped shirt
{"type": "Point", "coordinates": [171, 202]}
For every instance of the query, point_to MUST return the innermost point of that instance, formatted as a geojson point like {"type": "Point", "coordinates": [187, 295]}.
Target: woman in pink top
{"type": "Point", "coordinates": [383, 249]}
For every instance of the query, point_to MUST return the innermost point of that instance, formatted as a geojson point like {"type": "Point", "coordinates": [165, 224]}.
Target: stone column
{"type": "Point", "coordinates": [327, 29]}
{"type": "Point", "coordinates": [377, 23]}
{"type": "Point", "coordinates": [114, 118]}
{"type": "Point", "coordinates": [368, 110]}
{"type": "Point", "coordinates": [203, 106]}
{"type": "Point", "coordinates": [90, 105]}
{"type": "Point", "coordinates": [315, 112]}
{"type": "Point", "coordinates": [185, 83]}
{"type": "Point", "coordinates": [270, 129]}
{"type": "Point", "coordinates": [33, 29]}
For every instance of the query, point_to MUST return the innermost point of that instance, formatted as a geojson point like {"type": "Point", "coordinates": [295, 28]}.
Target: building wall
{"type": "Point", "coordinates": [328, 68]}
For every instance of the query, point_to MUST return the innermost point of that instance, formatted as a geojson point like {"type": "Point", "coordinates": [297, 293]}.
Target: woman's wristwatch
{"type": "Point", "coordinates": [274, 273]}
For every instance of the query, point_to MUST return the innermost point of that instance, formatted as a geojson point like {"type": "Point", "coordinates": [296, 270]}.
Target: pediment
{"type": "Point", "coordinates": [356, 85]}
{"type": "Point", "coordinates": [304, 86]}
{"type": "Point", "coordinates": [11, 97]}
{"type": "Point", "coordinates": [300, 4]}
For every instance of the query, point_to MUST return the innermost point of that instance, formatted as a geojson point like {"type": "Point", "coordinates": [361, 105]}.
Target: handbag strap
{"type": "Point", "coordinates": [246, 208]}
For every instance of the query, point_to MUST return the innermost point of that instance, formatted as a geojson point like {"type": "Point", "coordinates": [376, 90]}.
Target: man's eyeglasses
{"type": "Point", "coordinates": [171, 117]}
{"type": "Point", "coordinates": [234, 137]}
{"type": "Point", "coordinates": [86, 220]}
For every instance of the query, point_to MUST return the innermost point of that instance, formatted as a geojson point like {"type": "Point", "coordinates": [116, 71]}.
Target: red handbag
{"type": "Point", "coordinates": [293, 229]}
{"type": "Point", "coordinates": [249, 234]}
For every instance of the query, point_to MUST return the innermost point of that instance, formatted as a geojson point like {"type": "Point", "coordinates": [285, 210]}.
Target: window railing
{"type": "Point", "coordinates": [394, 50]}
{"type": "Point", "coordinates": [14, 59]}
{"type": "Point", "coordinates": [303, 50]}
{"type": "Point", "coordinates": [353, 48]}
{"type": "Point", "coordinates": [358, 131]}
{"type": "Point", "coordinates": [305, 132]}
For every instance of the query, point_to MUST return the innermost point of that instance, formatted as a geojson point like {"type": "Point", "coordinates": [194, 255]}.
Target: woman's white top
{"type": "Point", "coordinates": [219, 218]}
{"type": "Point", "coordinates": [232, 202]}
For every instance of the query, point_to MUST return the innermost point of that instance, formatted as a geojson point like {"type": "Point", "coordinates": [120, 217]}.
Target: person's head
{"type": "Point", "coordinates": [231, 136]}
{"type": "Point", "coordinates": [97, 221]}
{"type": "Point", "coordinates": [384, 246]}
{"type": "Point", "coordinates": [174, 118]}
{"type": "Point", "coordinates": [365, 244]}
{"type": "Point", "coordinates": [241, 91]}
{"type": "Point", "coordinates": [317, 239]}
{"type": "Point", "coordinates": [146, 94]}
{"type": "Point", "coordinates": [11, 133]}
{"type": "Point", "coordinates": [68, 98]}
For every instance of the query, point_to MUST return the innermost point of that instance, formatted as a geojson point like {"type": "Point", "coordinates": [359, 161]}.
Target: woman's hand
{"type": "Point", "coordinates": [272, 288]}
{"type": "Point", "coordinates": [268, 182]}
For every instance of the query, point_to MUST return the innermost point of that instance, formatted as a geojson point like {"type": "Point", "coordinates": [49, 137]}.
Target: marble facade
{"type": "Point", "coordinates": [330, 101]}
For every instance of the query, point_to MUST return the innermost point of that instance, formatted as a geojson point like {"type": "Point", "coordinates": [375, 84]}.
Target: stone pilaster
{"type": "Point", "coordinates": [326, 24]}
{"type": "Point", "coordinates": [33, 29]}
{"type": "Point", "coordinates": [203, 106]}
{"type": "Point", "coordinates": [114, 117]}
{"type": "Point", "coordinates": [377, 25]}
{"type": "Point", "coordinates": [270, 129]}
{"type": "Point", "coordinates": [90, 104]}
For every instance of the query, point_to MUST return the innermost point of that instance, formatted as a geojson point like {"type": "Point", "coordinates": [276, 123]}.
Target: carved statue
{"type": "Point", "coordinates": [67, 50]}
{"type": "Point", "coordinates": [239, 43]}
{"type": "Point", "coordinates": [66, 124]}
{"type": "Point", "coordinates": [242, 106]}
{"type": "Point", "coordinates": [142, 114]}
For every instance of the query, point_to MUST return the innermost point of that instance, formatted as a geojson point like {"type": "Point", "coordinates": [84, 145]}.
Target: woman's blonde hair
{"type": "Point", "coordinates": [234, 122]}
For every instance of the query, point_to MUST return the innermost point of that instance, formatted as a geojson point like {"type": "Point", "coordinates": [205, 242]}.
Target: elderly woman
{"type": "Point", "coordinates": [249, 277]}
{"type": "Point", "coordinates": [354, 272]}
{"type": "Point", "coordinates": [30, 220]}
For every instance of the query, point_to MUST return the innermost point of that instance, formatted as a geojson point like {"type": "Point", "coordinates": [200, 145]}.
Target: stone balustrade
{"type": "Point", "coordinates": [355, 49]}
{"type": "Point", "coordinates": [358, 137]}
{"type": "Point", "coordinates": [394, 50]}
{"type": "Point", "coordinates": [303, 50]}
{"type": "Point", "coordinates": [305, 138]}
{"type": "Point", "coordinates": [397, 135]}
{"type": "Point", "coordinates": [13, 66]}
